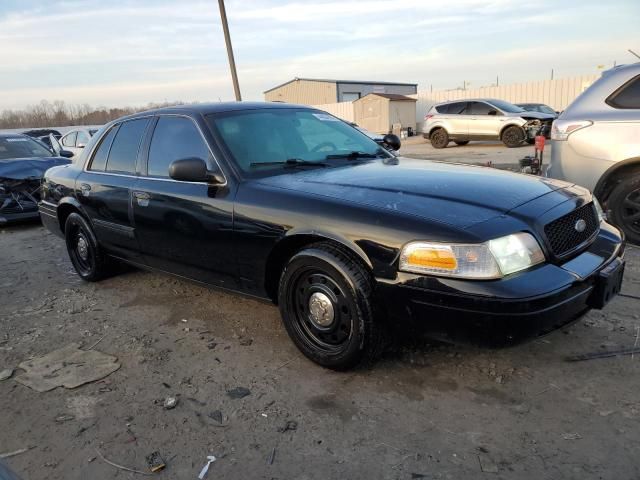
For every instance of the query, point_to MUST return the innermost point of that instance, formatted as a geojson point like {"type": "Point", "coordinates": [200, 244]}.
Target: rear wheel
{"type": "Point", "coordinates": [624, 207]}
{"type": "Point", "coordinates": [86, 255]}
{"type": "Point", "coordinates": [513, 136]}
{"type": "Point", "coordinates": [461, 143]}
{"type": "Point", "coordinates": [325, 299]}
{"type": "Point", "coordinates": [439, 138]}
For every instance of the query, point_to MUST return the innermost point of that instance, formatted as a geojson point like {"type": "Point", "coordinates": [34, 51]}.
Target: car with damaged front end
{"type": "Point", "coordinates": [289, 204]}
{"type": "Point", "coordinates": [23, 162]}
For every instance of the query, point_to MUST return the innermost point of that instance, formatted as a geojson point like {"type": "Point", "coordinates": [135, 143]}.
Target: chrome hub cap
{"type": "Point", "coordinates": [83, 249]}
{"type": "Point", "coordinates": [321, 309]}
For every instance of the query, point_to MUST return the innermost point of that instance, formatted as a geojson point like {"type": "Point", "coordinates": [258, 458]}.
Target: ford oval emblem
{"type": "Point", "coordinates": [580, 226]}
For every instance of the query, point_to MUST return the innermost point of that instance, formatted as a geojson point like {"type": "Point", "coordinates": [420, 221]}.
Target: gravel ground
{"type": "Point", "coordinates": [424, 411]}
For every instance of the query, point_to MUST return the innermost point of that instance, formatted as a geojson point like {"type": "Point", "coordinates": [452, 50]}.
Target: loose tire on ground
{"type": "Point", "coordinates": [86, 255]}
{"type": "Point", "coordinates": [513, 136]}
{"type": "Point", "coordinates": [439, 138]}
{"type": "Point", "coordinates": [325, 299]}
{"type": "Point", "coordinates": [624, 206]}
{"type": "Point", "coordinates": [461, 143]}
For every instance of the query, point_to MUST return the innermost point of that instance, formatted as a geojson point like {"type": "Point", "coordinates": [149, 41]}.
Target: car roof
{"type": "Point", "coordinates": [13, 135]}
{"type": "Point", "coordinates": [470, 100]}
{"type": "Point", "coordinates": [207, 108]}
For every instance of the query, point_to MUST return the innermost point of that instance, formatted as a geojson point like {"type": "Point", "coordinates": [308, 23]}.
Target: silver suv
{"type": "Point", "coordinates": [596, 143]}
{"type": "Point", "coordinates": [483, 119]}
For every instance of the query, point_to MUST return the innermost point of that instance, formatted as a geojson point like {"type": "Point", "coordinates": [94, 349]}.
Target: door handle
{"type": "Point", "coordinates": [142, 198]}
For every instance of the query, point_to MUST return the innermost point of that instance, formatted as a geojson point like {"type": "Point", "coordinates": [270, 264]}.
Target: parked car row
{"type": "Point", "coordinates": [461, 121]}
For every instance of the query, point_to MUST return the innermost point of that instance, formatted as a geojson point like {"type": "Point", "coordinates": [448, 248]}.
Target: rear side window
{"type": "Point", "coordinates": [627, 96]}
{"type": "Point", "coordinates": [124, 151]}
{"type": "Point", "coordinates": [479, 108]}
{"type": "Point", "coordinates": [174, 138]}
{"type": "Point", "coordinates": [99, 161]}
{"type": "Point", "coordinates": [70, 140]}
{"type": "Point", "coordinates": [442, 108]}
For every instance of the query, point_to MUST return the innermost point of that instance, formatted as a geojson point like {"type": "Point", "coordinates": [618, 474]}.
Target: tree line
{"type": "Point", "coordinates": [59, 114]}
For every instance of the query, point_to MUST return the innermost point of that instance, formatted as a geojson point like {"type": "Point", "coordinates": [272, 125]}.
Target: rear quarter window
{"type": "Point", "coordinates": [442, 108]}
{"type": "Point", "coordinates": [99, 161]}
{"type": "Point", "coordinates": [627, 96]}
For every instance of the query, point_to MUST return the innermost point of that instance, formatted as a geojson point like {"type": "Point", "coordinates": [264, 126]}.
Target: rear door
{"type": "Point", "coordinates": [104, 187]}
{"type": "Point", "coordinates": [184, 227]}
{"type": "Point", "coordinates": [481, 123]}
{"type": "Point", "coordinates": [457, 119]}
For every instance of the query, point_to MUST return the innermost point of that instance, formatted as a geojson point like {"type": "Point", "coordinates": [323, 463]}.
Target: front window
{"type": "Point", "coordinates": [22, 147]}
{"type": "Point", "coordinates": [267, 139]}
{"type": "Point", "coordinates": [507, 107]}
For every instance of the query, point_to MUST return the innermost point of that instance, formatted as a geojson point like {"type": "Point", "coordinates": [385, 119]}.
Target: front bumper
{"type": "Point", "coordinates": [18, 216]}
{"type": "Point", "coordinates": [510, 310]}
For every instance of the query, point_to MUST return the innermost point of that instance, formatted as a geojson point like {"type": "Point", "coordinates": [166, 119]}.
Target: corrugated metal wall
{"type": "Point", "coordinates": [343, 110]}
{"type": "Point", "coordinates": [305, 92]}
{"type": "Point", "coordinates": [558, 94]}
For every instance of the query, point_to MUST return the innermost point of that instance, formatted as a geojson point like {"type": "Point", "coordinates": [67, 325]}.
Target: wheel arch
{"type": "Point", "coordinates": [66, 207]}
{"type": "Point", "coordinates": [294, 242]}
{"type": "Point", "coordinates": [511, 125]}
{"type": "Point", "coordinates": [610, 178]}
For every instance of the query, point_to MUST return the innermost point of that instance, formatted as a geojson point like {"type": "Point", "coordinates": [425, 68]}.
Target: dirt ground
{"type": "Point", "coordinates": [424, 411]}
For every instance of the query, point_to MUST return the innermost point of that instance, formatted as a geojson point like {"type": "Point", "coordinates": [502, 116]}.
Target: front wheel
{"type": "Point", "coordinates": [325, 299]}
{"type": "Point", "coordinates": [86, 255]}
{"type": "Point", "coordinates": [513, 136]}
{"type": "Point", "coordinates": [624, 207]}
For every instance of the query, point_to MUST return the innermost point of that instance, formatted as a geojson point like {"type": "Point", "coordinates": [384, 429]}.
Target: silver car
{"type": "Point", "coordinates": [596, 143]}
{"type": "Point", "coordinates": [77, 139]}
{"type": "Point", "coordinates": [483, 119]}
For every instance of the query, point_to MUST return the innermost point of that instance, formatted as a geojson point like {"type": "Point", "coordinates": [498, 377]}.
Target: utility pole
{"type": "Point", "coordinates": [227, 40]}
{"type": "Point", "coordinates": [552, 74]}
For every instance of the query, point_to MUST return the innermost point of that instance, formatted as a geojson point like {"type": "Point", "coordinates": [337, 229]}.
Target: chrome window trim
{"type": "Point", "coordinates": [90, 156]}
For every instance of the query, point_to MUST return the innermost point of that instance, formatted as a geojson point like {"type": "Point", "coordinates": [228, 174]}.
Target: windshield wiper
{"type": "Point", "coordinates": [290, 162]}
{"type": "Point", "coordinates": [353, 155]}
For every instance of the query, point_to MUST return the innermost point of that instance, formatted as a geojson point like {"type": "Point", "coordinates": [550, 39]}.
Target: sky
{"type": "Point", "coordinates": [132, 52]}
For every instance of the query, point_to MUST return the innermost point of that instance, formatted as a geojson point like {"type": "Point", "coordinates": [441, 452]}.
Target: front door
{"type": "Point", "coordinates": [481, 122]}
{"type": "Point", "coordinates": [185, 228]}
{"type": "Point", "coordinates": [104, 187]}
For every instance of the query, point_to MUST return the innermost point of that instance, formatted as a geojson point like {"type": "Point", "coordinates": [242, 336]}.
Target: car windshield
{"type": "Point", "coordinates": [22, 147]}
{"type": "Point", "coordinates": [506, 106]}
{"type": "Point", "coordinates": [277, 138]}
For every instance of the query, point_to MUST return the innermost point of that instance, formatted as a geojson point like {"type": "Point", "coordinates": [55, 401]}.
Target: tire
{"type": "Point", "coordinates": [624, 207]}
{"type": "Point", "coordinates": [439, 138]}
{"type": "Point", "coordinates": [513, 136]}
{"type": "Point", "coordinates": [87, 257]}
{"type": "Point", "coordinates": [461, 143]}
{"type": "Point", "coordinates": [344, 335]}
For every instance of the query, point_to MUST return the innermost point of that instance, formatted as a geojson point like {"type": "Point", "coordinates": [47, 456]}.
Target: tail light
{"type": "Point", "coordinates": [428, 116]}
{"type": "Point", "coordinates": [561, 129]}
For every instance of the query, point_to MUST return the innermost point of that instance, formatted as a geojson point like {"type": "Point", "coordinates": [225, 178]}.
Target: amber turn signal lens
{"type": "Point", "coordinates": [433, 257]}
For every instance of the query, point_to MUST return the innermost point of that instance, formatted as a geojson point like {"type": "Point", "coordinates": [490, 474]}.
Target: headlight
{"type": "Point", "coordinates": [492, 259]}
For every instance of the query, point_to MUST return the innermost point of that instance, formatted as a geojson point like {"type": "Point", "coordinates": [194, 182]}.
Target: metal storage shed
{"type": "Point", "coordinates": [317, 91]}
{"type": "Point", "coordinates": [378, 112]}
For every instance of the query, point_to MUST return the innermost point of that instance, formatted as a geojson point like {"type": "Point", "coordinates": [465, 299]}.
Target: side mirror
{"type": "Point", "coordinates": [65, 153]}
{"type": "Point", "coordinates": [492, 112]}
{"type": "Point", "coordinates": [193, 170]}
{"type": "Point", "coordinates": [391, 141]}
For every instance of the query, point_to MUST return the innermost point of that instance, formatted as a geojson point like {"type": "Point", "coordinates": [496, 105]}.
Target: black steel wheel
{"type": "Point", "coordinates": [439, 138]}
{"type": "Point", "coordinates": [325, 300]}
{"type": "Point", "coordinates": [513, 136]}
{"type": "Point", "coordinates": [85, 253]}
{"type": "Point", "coordinates": [624, 207]}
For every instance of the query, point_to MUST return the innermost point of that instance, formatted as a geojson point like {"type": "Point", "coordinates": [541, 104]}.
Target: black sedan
{"type": "Point", "coordinates": [290, 204]}
{"type": "Point", "coordinates": [23, 162]}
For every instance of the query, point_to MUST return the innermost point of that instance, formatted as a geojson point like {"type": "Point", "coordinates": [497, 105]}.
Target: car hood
{"type": "Point", "coordinates": [29, 168]}
{"type": "Point", "coordinates": [538, 115]}
{"type": "Point", "coordinates": [459, 195]}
